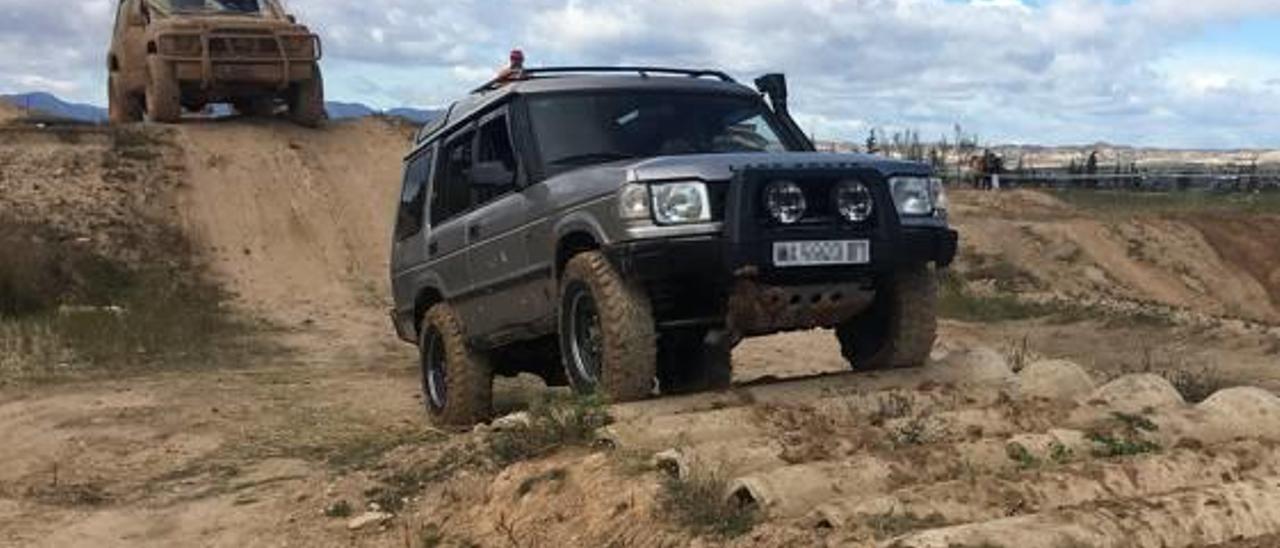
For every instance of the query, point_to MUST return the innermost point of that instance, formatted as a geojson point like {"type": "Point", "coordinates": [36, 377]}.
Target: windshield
{"type": "Point", "coordinates": [252, 7]}
{"type": "Point", "coordinates": [581, 129]}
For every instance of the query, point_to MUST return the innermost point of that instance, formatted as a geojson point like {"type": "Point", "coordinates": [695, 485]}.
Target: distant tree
{"type": "Point", "coordinates": [873, 145]}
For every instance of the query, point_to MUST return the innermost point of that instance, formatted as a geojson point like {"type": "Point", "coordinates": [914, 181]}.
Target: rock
{"type": "Point", "coordinates": [1057, 380]}
{"type": "Point", "coordinates": [1245, 412]}
{"type": "Point", "coordinates": [368, 518]}
{"type": "Point", "coordinates": [512, 422]}
{"type": "Point", "coordinates": [1136, 394]}
{"type": "Point", "coordinates": [977, 365]}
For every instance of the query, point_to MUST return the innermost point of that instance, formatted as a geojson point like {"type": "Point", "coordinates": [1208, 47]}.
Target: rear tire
{"type": "Point", "coordinates": [607, 337]}
{"type": "Point", "coordinates": [164, 100]}
{"type": "Point", "coordinates": [899, 329]}
{"type": "Point", "coordinates": [691, 361]}
{"type": "Point", "coordinates": [306, 100]}
{"type": "Point", "coordinates": [122, 108]}
{"type": "Point", "coordinates": [457, 380]}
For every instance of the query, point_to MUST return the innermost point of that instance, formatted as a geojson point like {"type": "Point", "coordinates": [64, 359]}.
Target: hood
{"type": "Point", "coordinates": [722, 167]}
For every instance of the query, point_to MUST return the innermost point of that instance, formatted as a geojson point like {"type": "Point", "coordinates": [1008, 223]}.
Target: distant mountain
{"type": "Point", "coordinates": [339, 110]}
{"type": "Point", "coordinates": [50, 105]}
{"type": "Point", "coordinates": [418, 115]}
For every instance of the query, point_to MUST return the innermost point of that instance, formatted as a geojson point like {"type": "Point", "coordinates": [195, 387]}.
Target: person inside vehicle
{"type": "Point", "coordinates": [514, 70]}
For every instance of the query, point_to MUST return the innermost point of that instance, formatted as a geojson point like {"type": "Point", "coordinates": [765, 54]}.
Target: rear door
{"type": "Point", "coordinates": [409, 242]}
{"type": "Point", "coordinates": [449, 201]}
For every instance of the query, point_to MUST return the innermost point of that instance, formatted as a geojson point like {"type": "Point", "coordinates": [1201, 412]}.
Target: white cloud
{"type": "Point", "coordinates": [1061, 70]}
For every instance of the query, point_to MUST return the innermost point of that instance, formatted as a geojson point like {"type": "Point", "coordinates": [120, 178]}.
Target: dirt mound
{"type": "Point", "coordinates": [1203, 262]}
{"type": "Point", "coordinates": [297, 221]}
{"type": "Point", "coordinates": [8, 112]}
{"type": "Point", "coordinates": [903, 459]}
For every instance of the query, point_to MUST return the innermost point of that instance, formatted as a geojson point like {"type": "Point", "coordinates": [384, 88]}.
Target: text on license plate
{"type": "Point", "coordinates": [834, 252]}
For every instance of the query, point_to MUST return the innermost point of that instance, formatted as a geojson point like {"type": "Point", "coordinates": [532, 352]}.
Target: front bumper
{"type": "Point", "coordinates": [710, 282]}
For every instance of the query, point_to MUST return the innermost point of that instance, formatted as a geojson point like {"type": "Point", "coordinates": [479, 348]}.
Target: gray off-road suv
{"type": "Point", "coordinates": [621, 229]}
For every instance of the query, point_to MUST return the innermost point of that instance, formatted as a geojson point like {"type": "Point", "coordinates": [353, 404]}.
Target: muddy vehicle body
{"type": "Point", "coordinates": [620, 230]}
{"type": "Point", "coordinates": [167, 55]}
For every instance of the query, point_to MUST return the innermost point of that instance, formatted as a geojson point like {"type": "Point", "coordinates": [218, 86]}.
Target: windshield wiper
{"type": "Point", "coordinates": [592, 157]}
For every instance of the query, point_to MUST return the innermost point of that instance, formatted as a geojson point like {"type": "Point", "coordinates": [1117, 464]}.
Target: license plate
{"type": "Point", "coordinates": [837, 252]}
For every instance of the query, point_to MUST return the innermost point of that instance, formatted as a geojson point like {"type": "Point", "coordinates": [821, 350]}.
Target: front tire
{"type": "Point", "coordinates": [457, 380]}
{"type": "Point", "coordinates": [306, 100]}
{"type": "Point", "coordinates": [122, 108]}
{"type": "Point", "coordinates": [607, 337]}
{"type": "Point", "coordinates": [899, 329]}
{"type": "Point", "coordinates": [164, 99]}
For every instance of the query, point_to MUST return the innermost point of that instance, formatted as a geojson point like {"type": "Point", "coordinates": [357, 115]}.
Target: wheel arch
{"type": "Point", "coordinates": [426, 298]}
{"type": "Point", "coordinates": [570, 245]}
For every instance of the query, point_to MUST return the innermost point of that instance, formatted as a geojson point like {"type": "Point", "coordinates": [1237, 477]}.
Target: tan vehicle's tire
{"type": "Point", "coordinates": [122, 108]}
{"type": "Point", "coordinates": [899, 329]}
{"type": "Point", "coordinates": [607, 337]}
{"type": "Point", "coordinates": [457, 380]}
{"type": "Point", "coordinates": [306, 100]}
{"type": "Point", "coordinates": [164, 101]}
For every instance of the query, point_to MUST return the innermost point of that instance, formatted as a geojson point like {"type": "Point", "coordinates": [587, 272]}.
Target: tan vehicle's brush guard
{"type": "Point", "coordinates": [247, 56]}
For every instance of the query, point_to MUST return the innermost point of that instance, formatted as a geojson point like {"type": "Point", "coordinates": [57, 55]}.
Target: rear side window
{"type": "Point", "coordinates": [413, 196]}
{"type": "Point", "coordinates": [452, 194]}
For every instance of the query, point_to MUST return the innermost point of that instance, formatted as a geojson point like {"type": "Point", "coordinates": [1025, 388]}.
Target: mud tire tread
{"type": "Point", "coordinates": [122, 108]}
{"type": "Point", "coordinates": [164, 98]}
{"type": "Point", "coordinates": [909, 308]}
{"type": "Point", "coordinates": [306, 101]}
{"type": "Point", "coordinates": [626, 317]}
{"type": "Point", "coordinates": [468, 372]}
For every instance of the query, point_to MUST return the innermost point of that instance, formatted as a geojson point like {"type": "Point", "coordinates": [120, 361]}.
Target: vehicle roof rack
{"type": "Point", "coordinates": [644, 72]}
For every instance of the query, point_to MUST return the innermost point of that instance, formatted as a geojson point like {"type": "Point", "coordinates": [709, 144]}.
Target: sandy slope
{"type": "Point", "coordinates": [297, 221]}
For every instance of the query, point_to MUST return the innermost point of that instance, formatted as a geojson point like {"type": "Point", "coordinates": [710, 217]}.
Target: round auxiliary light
{"type": "Point", "coordinates": [785, 202]}
{"type": "Point", "coordinates": [853, 201]}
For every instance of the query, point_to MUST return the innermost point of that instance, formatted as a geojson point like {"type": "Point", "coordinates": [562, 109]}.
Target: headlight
{"type": "Point", "coordinates": [912, 195]}
{"type": "Point", "coordinates": [681, 203]}
{"type": "Point", "coordinates": [785, 202]}
{"type": "Point", "coordinates": [853, 201]}
{"type": "Point", "coordinates": [938, 193]}
{"type": "Point", "coordinates": [633, 203]}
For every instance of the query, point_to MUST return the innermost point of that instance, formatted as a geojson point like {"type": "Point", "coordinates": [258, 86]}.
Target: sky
{"type": "Point", "coordinates": [1180, 73]}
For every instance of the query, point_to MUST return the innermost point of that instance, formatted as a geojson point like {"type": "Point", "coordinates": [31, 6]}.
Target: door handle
{"type": "Point", "coordinates": [473, 232]}
{"type": "Point", "coordinates": [433, 248]}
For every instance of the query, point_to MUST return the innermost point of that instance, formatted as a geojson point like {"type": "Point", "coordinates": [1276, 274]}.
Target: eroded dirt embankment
{"type": "Point", "coordinates": [1220, 264]}
{"type": "Point", "coordinates": [296, 221]}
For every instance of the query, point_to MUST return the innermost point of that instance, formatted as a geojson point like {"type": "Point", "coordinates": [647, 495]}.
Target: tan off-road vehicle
{"type": "Point", "coordinates": [167, 55]}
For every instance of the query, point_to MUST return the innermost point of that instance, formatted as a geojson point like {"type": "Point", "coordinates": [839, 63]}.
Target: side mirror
{"type": "Point", "coordinates": [492, 175]}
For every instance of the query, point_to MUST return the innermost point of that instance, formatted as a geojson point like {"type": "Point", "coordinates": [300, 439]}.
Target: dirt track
{"type": "Point", "coordinates": [963, 453]}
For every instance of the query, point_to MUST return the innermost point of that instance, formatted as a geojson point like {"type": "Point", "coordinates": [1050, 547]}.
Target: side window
{"type": "Point", "coordinates": [413, 196]}
{"type": "Point", "coordinates": [496, 160]}
{"type": "Point", "coordinates": [451, 194]}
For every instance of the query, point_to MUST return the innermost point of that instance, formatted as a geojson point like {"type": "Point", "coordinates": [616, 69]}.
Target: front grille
{"type": "Point", "coordinates": [228, 47]}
